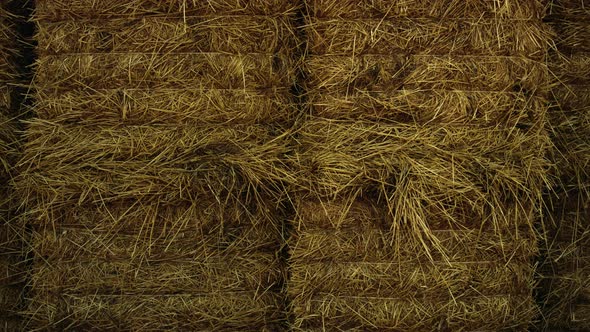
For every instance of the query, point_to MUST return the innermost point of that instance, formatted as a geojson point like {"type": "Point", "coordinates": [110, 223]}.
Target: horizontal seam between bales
{"type": "Point", "coordinates": [368, 93]}
{"type": "Point", "coordinates": [243, 55]}
{"type": "Point", "coordinates": [184, 89]}
{"type": "Point", "coordinates": [185, 294]}
{"type": "Point", "coordinates": [317, 55]}
{"type": "Point", "coordinates": [42, 18]}
{"type": "Point", "coordinates": [124, 232]}
{"type": "Point", "coordinates": [481, 20]}
{"type": "Point", "coordinates": [396, 56]}
{"type": "Point", "coordinates": [270, 91]}
{"type": "Point", "coordinates": [569, 53]}
{"type": "Point", "coordinates": [179, 292]}
{"type": "Point", "coordinates": [139, 261]}
{"type": "Point", "coordinates": [404, 262]}
{"type": "Point", "coordinates": [203, 292]}
{"type": "Point", "coordinates": [583, 19]}
{"type": "Point", "coordinates": [403, 299]}
{"type": "Point", "coordinates": [172, 17]}
{"type": "Point", "coordinates": [579, 86]}
{"type": "Point", "coordinates": [331, 231]}
{"type": "Point", "coordinates": [217, 259]}
{"type": "Point", "coordinates": [169, 17]}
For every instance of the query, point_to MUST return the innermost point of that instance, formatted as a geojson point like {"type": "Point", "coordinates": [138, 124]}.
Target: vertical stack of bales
{"type": "Point", "coordinates": [149, 172]}
{"type": "Point", "coordinates": [568, 270]}
{"type": "Point", "coordinates": [11, 259]}
{"type": "Point", "coordinates": [422, 164]}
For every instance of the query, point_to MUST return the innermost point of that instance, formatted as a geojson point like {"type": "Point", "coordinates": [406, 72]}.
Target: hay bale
{"type": "Point", "coordinates": [345, 276]}
{"type": "Point", "coordinates": [421, 166]}
{"type": "Point", "coordinates": [185, 253]}
{"type": "Point", "coordinates": [152, 170]}
{"type": "Point", "coordinates": [566, 277]}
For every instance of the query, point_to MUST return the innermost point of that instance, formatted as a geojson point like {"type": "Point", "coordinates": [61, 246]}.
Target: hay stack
{"type": "Point", "coordinates": [421, 166]}
{"type": "Point", "coordinates": [150, 171]}
{"type": "Point", "coordinates": [11, 251]}
{"type": "Point", "coordinates": [567, 272]}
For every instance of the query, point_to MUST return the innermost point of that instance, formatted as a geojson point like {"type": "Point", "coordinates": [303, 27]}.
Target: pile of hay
{"type": "Point", "coordinates": [151, 173]}
{"type": "Point", "coordinates": [567, 268]}
{"type": "Point", "coordinates": [421, 166]}
{"type": "Point", "coordinates": [11, 241]}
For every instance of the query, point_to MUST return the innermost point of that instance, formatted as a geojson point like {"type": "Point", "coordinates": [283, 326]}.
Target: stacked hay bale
{"type": "Point", "coordinates": [150, 170]}
{"type": "Point", "coordinates": [422, 166]}
{"type": "Point", "coordinates": [11, 252]}
{"type": "Point", "coordinates": [567, 272]}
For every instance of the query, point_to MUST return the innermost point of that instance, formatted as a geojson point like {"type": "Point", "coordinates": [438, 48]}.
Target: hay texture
{"type": "Point", "coordinates": [566, 286]}
{"type": "Point", "coordinates": [421, 166]}
{"type": "Point", "coordinates": [11, 234]}
{"type": "Point", "coordinates": [151, 171]}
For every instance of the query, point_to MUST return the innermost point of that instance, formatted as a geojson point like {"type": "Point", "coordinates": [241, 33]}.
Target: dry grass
{"type": "Point", "coordinates": [417, 181]}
